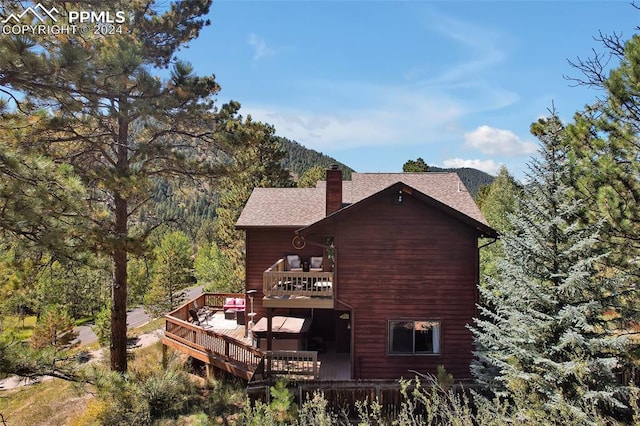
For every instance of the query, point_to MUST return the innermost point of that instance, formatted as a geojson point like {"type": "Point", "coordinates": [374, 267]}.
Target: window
{"type": "Point", "coordinates": [414, 337]}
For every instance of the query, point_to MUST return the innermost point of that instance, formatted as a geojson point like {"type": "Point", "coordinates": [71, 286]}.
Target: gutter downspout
{"type": "Point", "coordinates": [489, 243]}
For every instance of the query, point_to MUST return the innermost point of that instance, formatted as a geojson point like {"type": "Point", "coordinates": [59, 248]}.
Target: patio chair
{"type": "Point", "coordinates": [203, 310]}
{"type": "Point", "coordinates": [293, 261]}
{"type": "Point", "coordinates": [194, 316]}
{"type": "Point", "coordinates": [315, 264]}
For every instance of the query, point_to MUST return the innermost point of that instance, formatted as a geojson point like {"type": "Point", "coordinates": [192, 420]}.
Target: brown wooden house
{"type": "Point", "coordinates": [382, 268]}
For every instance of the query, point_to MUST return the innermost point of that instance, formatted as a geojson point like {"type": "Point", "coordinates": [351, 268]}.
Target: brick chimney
{"type": "Point", "coordinates": [334, 189]}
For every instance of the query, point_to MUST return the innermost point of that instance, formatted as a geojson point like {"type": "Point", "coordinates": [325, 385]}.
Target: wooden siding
{"type": "Point", "coordinates": [264, 248]}
{"type": "Point", "coordinates": [393, 262]}
{"type": "Point", "coordinates": [407, 261]}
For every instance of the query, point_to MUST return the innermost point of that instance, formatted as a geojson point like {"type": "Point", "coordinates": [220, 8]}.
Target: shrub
{"type": "Point", "coordinates": [142, 399]}
{"type": "Point", "coordinates": [102, 325]}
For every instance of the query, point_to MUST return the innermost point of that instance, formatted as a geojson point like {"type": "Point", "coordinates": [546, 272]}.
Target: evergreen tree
{"type": "Point", "coordinates": [417, 165]}
{"type": "Point", "coordinates": [256, 164]}
{"type": "Point", "coordinates": [99, 104]}
{"type": "Point", "coordinates": [81, 287]}
{"type": "Point", "coordinates": [606, 154]}
{"type": "Point", "coordinates": [39, 200]}
{"type": "Point", "coordinates": [543, 331]}
{"type": "Point", "coordinates": [52, 328]}
{"type": "Point", "coordinates": [497, 202]}
{"type": "Point", "coordinates": [310, 177]}
{"type": "Point", "coordinates": [172, 272]}
{"type": "Point", "coordinates": [19, 270]}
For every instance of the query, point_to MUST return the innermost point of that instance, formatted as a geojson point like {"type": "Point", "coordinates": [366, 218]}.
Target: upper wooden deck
{"type": "Point", "coordinates": [297, 289]}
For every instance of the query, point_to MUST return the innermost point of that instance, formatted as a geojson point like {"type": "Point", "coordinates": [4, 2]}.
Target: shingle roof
{"type": "Point", "coordinates": [298, 207]}
{"type": "Point", "coordinates": [295, 207]}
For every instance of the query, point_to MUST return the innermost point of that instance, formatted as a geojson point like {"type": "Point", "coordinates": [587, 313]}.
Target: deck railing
{"type": "Point", "coordinates": [213, 345]}
{"type": "Point", "coordinates": [218, 344]}
{"type": "Point", "coordinates": [277, 282]}
{"type": "Point", "coordinates": [293, 363]}
{"type": "Point", "coordinates": [213, 301]}
{"type": "Point", "coordinates": [209, 345]}
{"type": "Point", "coordinates": [233, 355]}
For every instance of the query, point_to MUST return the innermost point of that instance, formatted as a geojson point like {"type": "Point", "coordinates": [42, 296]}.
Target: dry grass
{"type": "Point", "coordinates": [20, 328]}
{"type": "Point", "coordinates": [153, 325]}
{"type": "Point", "coordinates": [56, 402]}
{"type": "Point", "coordinates": [52, 402]}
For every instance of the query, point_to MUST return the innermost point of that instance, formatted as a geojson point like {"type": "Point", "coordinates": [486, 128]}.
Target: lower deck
{"type": "Point", "coordinates": [228, 344]}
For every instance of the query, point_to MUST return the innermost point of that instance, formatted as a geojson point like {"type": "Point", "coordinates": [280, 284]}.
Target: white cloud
{"type": "Point", "coordinates": [349, 129]}
{"type": "Point", "coordinates": [369, 116]}
{"type": "Point", "coordinates": [340, 115]}
{"type": "Point", "coordinates": [488, 166]}
{"type": "Point", "coordinates": [485, 49]}
{"type": "Point", "coordinates": [260, 48]}
{"type": "Point", "coordinates": [492, 141]}
{"type": "Point", "coordinates": [364, 114]}
{"type": "Point", "coordinates": [431, 106]}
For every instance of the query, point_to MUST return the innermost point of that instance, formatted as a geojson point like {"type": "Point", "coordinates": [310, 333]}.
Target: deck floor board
{"type": "Point", "coordinates": [331, 365]}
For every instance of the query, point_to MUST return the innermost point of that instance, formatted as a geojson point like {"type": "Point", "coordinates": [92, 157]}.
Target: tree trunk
{"type": "Point", "coordinates": [119, 293]}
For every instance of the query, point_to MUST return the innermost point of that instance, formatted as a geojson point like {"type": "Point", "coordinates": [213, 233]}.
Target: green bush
{"type": "Point", "coordinates": [102, 326]}
{"type": "Point", "coordinates": [281, 410]}
{"type": "Point", "coordinates": [430, 403]}
{"type": "Point", "coordinates": [143, 399]}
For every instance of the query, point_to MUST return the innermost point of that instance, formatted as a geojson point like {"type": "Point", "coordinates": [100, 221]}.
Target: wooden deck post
{"type": "Point", "coordinates": [269, 338]}
{"type": "Point", "coordinates": [164, 357]}
{"type": "Point", "coordinates": [269, 328]}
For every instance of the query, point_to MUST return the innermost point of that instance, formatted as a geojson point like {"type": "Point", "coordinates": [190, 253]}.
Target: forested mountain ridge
{"type": "Point", "coordinates": [473, 179]}
{"type": "Point", "coordinates": [299, 159]}
{"type": "Point", "coordinates": [187, 206]}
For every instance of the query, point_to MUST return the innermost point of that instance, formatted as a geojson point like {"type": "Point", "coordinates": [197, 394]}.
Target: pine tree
{"type": "Point", "coordinates": [257, 164]}
{"type": "Point", "coordinates": [52, 327]}
{"type": "Point", "coordinates": [39, 200]}
{"type": "Point", "coordinates": [120, 110]}
{"type": "Point", "coordinates": [543, 331]}
{"type": "Point", "coordinates": [310, 177]}
{"type": "Point", "coordinates": [172, 272]}
{"type": "Point", "coordinates": [417, 165]}
{"type": "Point", "coordinates": [605, 144]}
{"type": "Point", "coordinates": [497, 202]}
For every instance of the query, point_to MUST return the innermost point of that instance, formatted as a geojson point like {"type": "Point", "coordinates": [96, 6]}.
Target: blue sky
{"type": "Point", "coordinates": [375, 83]}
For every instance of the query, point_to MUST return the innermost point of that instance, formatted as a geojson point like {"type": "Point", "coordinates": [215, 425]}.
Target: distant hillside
{"type": "Point", "coordinates": [473, 179]}
{"type": "Point", "coordinates": [299, 159]}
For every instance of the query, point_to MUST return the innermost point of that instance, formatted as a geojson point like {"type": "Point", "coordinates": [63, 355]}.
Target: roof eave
{"type": "Point", "coordinates": [483, 229]}
{"type": "Point", "coordinates": [246, 227]}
